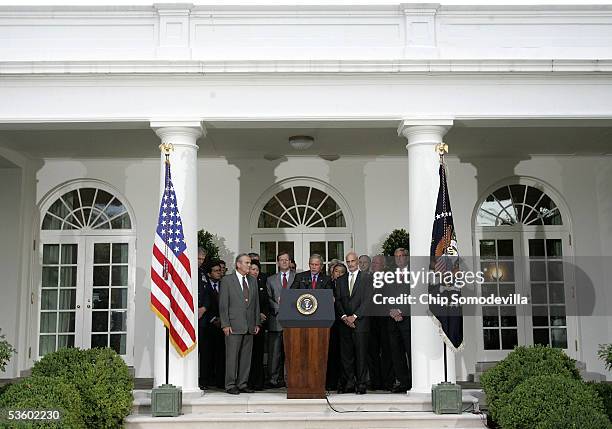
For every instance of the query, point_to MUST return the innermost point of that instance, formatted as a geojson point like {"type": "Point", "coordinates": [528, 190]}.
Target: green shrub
{"type": "Point", "coordinates": [102, 379]}
{"type": "Point", "coordinates": [521, 364]}
{"type": "Point", "coordinates": [6, 352]}
{"type": "Point", "coordinates": [3, 388]}
{"type": "Point", "coordinates": [398, 238]}
{"type": "Point", "coordinates": [44, 393]}
{"type": "Point", "coordinates": [553, 402]}
{"type": "Point", "coordinates": [605, 354]}
{"type": "Point", "coordinates": [604, 390]}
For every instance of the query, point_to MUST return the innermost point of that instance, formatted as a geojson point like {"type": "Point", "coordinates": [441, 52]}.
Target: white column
{"type": "Point", "coordinates": [183, 136]}
{"type": "Point", "coordinates": [423, 182]}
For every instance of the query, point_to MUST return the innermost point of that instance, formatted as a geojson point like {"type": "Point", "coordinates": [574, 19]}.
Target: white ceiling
{"type": "Point", "coordinates": [222, 140]}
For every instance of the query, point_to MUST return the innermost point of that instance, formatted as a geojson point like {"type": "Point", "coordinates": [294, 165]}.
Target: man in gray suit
{"type": "Point", "coordinates": [240, 320]}
{"type": "Point", "coordinates": [275, 284]}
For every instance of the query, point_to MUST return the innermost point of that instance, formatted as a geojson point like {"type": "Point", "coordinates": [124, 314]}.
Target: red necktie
{"type": "Point", "coordinates": [284, 280]}
{"type": "Point", "coordinates": [314, 282]}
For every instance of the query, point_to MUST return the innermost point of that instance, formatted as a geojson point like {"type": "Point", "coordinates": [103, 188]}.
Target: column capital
{"type": "Point", "coordinates": [179, 133]}
{"type": "Point", "coordinates": [424, 131]}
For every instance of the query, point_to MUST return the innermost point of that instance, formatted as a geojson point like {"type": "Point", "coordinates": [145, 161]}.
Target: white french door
{"type": "Point", "coordinates": [529, 263]}
{"type": "Point", "coordinates": [300, 246]}
{"type": "Point", "coordinates": [86, 296]}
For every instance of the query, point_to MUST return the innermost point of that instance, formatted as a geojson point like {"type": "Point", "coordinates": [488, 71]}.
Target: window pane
{"type": "Point", "coordinates": [48, 322]}
{"type": "Point", "coordinates": [273, 207]}
{"type": "Point", "coordinates": [509, 338]}
{"type": "Point", "coordinates": [536, 248]}
{"type": "Point", "coordinates": [72, 200]}
{"type": "Point", "coordinates": [67, 299]}
{"type": "Point", "coordinates": [122, 222]}
{"type": "Point", "coordinates": [537, 271]}
{"type": "Point", "coordinates": [336, 220]}
{"type": "Point", "coordinates": [554, 248]}
{"type": "Point", "coordinates": [68, 277]}
{"type": "Point", "coordinates": [102, 199]}
{"type": "Point", "coordinates": [59, 209]}
{"type": "Point", "coordinates": [286, 246]}
{"type": "Point", "coordinates": [69, 253]}
{"type": "Point", "coordinates": [50, 222]}
{"type": "Point", "coordinates": [87, 196]}
{"type": "Point", "coordinates": [328, 207]}
{"type": "Point", "coordinates": [318, 247]}
{"type": "Point", "coordinates": [556, 293]}
{"type": "Point", "coordinates": [49, 277]}
{"type": "Point", "coordinates": [540, 315]}
{"type": "Point", "coordinates": [487, 249]}
{"type": "Point", "coordinates": [50, 254]}
{"type": "Point", "coordinates": [120, 253]}
{"type": "Point", "coordinates": [489, 289]}
{"type": "Point", "coordinates": [557, 315]}
{"type": "Point", "coordinates": [65, 341]}
{"type": "Point", "coordinates": [46, 344]}
{"type": "Point", "coordinates": [506, 290]}
{"type": "Point", "coordinates": [66, 322]}
{"type": "Point", "coordinates": [335, 250]}
{"type": "Point", "coordinates": [118, 321]}
{"type": "Point", "coordinates": [114, 208]}
{"type": "Point", "coordinates": [267, 251]}
{"type": "Point", "coordinates": [286, 198]}
{"type": "Point", "coordinates": [505, 271]}
{"type": "Point", "coordinates": [555, 271]}
{"type": "Point", "coordinates": [48, 299]}
{"type": "Point", "coordinates": [540, 336]}
{"type": "Point", "coordinates": [100, 299]}
{"type": "Point", "coordinates": [101, 253]}
{"type": "Point", "coordinates": [491, 339]}
{"type": "Point", "coordinates": [559, 337]}
{"type": "Point", "coordinates": [119, 298]}
{"type": "Point", "coordinates": [100, 276]}
{"type": "Point", "coordinates": [120, 275]}
{"type": "Point", "coordinates": [490, 316]}
{"type": "Point", "coordinates": [118, 343]}
{"type": "Point", "coordinates": [538, 293]}
{"type": "Point", "coordinates": [99, 321]}
{"type": "Point", "coordinates": [489, 270]}
{"type": "Point", "coordinates": [99, 340]}
{"type": "Point", "coordinates": [508, 317]}
{"type": "Point", "coordinates": [505, 249]}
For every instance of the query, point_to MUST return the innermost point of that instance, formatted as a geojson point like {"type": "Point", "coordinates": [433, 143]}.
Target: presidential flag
{"type": "Point", "coordinates": [171, 297]}
{"type": "Point", "coordinates": [444, 259]}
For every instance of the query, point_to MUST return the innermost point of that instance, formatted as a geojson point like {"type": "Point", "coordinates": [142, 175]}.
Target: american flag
{"type": "Point", "coordinates": [171, 297]}
{"type": "Point", "coordinates": [445, 259]}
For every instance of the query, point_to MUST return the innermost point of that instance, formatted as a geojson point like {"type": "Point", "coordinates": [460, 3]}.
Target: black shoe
{"type": "Point", "coordinates": [361, 391]}
{"type": "Point", "coordinates": [246, 390]}
{"type": "Point", "coordinates": [399, 389]}
{"type": "Point", "coordinates": [233, 391]}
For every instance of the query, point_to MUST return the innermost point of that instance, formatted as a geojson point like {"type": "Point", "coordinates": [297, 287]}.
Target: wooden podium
{"type": "Point", "coordinates": [306, 316]}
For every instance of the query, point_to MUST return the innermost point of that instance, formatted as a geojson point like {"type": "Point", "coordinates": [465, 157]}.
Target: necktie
{"type": "Point", "coordinates": [314, 281]}
{"type": "Point", "coordinates": [216, 287]}
{"type": "Point", "coordinates": [284, 280]}
{"type": "Point", "coordinates": [352, 283]}
{"type": "Point", "coordinates": [245, 289]}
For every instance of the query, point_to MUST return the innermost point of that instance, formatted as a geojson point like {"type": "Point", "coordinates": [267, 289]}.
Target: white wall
{"type": "Point", "coordinates": [10, 262]}
{"type": "Point", "coordinates": [376, 191]}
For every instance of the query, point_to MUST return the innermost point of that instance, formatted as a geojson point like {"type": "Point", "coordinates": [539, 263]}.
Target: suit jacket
{"type": "Point", "coordinates": [241, 316]}
{"type": "Point", "coordinates": [264, 304]}
{"type": "Point", "coordinates": [358, 302]}
{"type": "Point", "coordinates": [303, 281]}
{"type": "Point", "coordinates": [212, 299]}
{"type": "Point", "coordinates": [274, 285]}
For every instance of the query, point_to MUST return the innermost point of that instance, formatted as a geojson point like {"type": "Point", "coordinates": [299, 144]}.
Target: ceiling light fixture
{"type": "Point", "coordinates": [301, 142]}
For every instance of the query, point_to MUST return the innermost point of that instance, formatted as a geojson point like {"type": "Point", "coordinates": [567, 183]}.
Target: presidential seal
{"type": "Point", "coordinates": [307, 304]}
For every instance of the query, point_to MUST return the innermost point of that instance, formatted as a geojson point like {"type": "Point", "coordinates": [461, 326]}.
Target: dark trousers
{"type": "Point", "coordinates": [380, 364]}
{"type": "Point", "coordinates": [333, 357]}
{"type": "Point", "coordinates": [353, 355]}
{"type": "Point", "coordinates": [212, 356]}
{"type": "Point", "coordinates": [399, 340]}
{"type": "Point", "coordinates": [257, 376]}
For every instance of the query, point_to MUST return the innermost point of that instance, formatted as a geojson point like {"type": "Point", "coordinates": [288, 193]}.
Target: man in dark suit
{"type": "Point", "coordinates": [275, 284]}
{"type": "Point", "coordinates": [203, 306]}
{"type": "Point", "coordinates": [240, 320]}
{"type": "Point", "coordinates": [398, 326]}
{"type": "Point", "coordinates": [354, 296]}
{"type": "Point", "coordinates": [212, 340]}
{"type": "Point", "coordinates": [314, 278]}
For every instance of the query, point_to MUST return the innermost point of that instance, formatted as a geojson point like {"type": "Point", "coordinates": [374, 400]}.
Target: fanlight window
{"type": "Point", "coordinates": [87, 208]}
{"type": "Point", "coordinates": [301, 206]}
{"type": "Point", "coordinates": [518, 204]}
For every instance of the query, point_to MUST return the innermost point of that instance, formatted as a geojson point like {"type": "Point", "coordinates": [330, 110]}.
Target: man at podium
{"type": "Point", "coordinates": [314, 278]}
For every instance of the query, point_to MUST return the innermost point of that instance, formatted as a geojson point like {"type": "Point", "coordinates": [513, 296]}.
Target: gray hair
{"type": "Point", "coordinates": [240, 255]}
{"type": "Point", "coordinates": [316, 256]}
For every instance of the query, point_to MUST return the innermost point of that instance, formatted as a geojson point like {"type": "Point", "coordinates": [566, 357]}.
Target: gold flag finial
{"type": "Point", "coordinates": [442, 149]}
{"type": "Point", "coordinates": [166, 148]}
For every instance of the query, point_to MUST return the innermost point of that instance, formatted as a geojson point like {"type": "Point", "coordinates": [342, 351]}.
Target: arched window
{"type": "Point", "coordinates": [301, 206]}
{"type": "Point", "coordinates": [518, 204]}
{"type": "Point", "coordinates": [87, 208]}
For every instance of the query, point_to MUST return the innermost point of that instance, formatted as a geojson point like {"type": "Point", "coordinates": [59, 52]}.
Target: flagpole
{"type": "Point", "coordinates": [168, 355]}
{"type": "Point", "coordinates": [167, 148]}
{"type": "Point", "coordinates": [445, 363]}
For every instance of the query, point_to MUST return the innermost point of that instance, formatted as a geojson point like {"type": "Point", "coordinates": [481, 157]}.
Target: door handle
{"type": "Point", "coordinates": [78, 306]}
{"type": "Point", "coordinates": [88, 306]}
